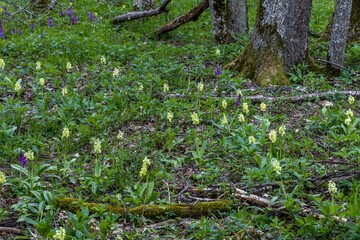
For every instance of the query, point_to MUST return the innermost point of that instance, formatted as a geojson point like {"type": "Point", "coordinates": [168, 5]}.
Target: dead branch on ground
{"type": "Point", "coordinates": [137, 15]}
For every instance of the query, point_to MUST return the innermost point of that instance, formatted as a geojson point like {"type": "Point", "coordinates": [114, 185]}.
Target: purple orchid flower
{"type": "Point", "coordinates": [91, 16]}
{"type": "Point", "coordinates": [74, 20]}
{"type": "Point", "coordinates": [5, 10]}
{"type": "Point", "coordinates": [1, 32]}
{"type": "Point", "coordinates": [32, 26]}
{"type": "Point", "coordinates": [23, 160]}
{"type": "Point", "coordinates": [70, 12]}
{"type": "Point", "coordinates": [42, 35]}
{"type": "Point", "coordinates": [19, 32]}
{"type": "Point", "coordinates": [13, 31]}
{"type": "Point", "coordinates": [41, 22]}
{"type": "Point", "coordinates": [99, 19]}
{"type": "Point", "coordinates": [238, 100]}
{"type": "Point", "coordinates": [217, 71]}
{"type": "Point", "coordinates": [61, 13]}
{"type": "Point", "coordinates": [51, 22]}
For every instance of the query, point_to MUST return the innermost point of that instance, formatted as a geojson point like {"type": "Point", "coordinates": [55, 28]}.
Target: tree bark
{"type": "Point", "coordinates": [228, 18]}
{"type": "Point", "coordinates": [192, 15]}
{"type": "Point", "coordinates": [339, 32]}
{"type": "Point", "coordinates": [278, 42]}
{"type": "Point", "coordinates": [354, 27]}
{"type": "Point", "coordinates": [143, 5]}
{"type": "Point", "coordinates": [137, 15]}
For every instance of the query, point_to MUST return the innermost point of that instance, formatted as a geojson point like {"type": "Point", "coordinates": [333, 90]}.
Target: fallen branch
{"type": "Point", "coordinates": [192, 15]}
{"type": "Point", "coordinates": [339, 66]}
{"type": "Point", "coordinates": [151, 210]}
{"type": "Point", "coordinates": [11, 230]}
{"type": "Point", "coordinates": [137, 15]}
{"type": "Point", "coordinates": [261, 98]}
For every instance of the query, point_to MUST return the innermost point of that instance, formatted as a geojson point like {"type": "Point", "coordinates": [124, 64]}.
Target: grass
{"type": "Point", "coordinates": [96, 164]}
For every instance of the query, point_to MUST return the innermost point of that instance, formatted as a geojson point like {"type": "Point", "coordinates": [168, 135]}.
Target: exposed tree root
{"type": "Point", "coordinates": [153, 211]}
{"type": "Point", "coordinates": [137, 15]}
{"type": "Point", "coordinates": [261, 98]}
{"type": "Point", "coordinates": [192, 15]}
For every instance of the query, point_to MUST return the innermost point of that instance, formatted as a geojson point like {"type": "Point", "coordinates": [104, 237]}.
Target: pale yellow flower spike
{"type": "Point", "coordinates": [200, 87]}
{"type": "Point", "coordinates": [166, 87]}
{"type": "Point", "coordinates": [17, 87]}
{"type": "Point", "coordinates": [332, 187]}
{"type": "Point", "coordinates": [38, 66]}
{"type": "Point", "coordinates": [65, 133]}
{"type": "Point", "coordinates": [97, 146]}
{"type": "Point", "coordinates": [120, 135]}
{"type": "Point", "coordinates": [224, 104]}
{"type": "Point", "coordinates": [224, 121]}
{"type": "Point", "coordinates": [116, 72]}
{"type": "Point", "coordinates": [351, 99]}
{"type": "Point", "coordinates": [252, 140]}
{"type": "Point", "coordinates": [195, 118]}
{"type": "Point", "coordinates": [2, 178]}
{"type": "Point", "coordinates": [272, 136]}
{"type": "Point", "coordinates": [170, 116]}
{"type": "Point", "coordinates": [141, 87]}
{"type": "Point", "coordinates": [2, 63]}
{"type": "Point", "coordinates": [282, 130]}
{"type": "Point", "coordinates": [64, 91]}
{"type": "Point", "coordinates": [349, 113]}
{"type": "Point", "coordinates": [29, 155]}
{"type": "Point", "coordinates": [263, 107]}
{"type": "Point", "coordinates": [276, 165]}
{"type": "Point", "coordinates": [68, 66]}
{"type": "Point", "coordinates": [245, 108]}
{"type": "Point", "coordinates": [60, 234]}
{"type": "Point", "coordinates": [42, 81]}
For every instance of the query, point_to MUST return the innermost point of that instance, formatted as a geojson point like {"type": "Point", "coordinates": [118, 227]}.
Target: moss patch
{"type": "Point", "coordinates": [151, 210]}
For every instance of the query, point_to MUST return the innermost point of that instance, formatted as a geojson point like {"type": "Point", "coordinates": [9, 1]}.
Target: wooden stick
{"type": "Point", "coordinates": [261, 98]}
{"type": "Point", "coordinates": [137, 15]}
{"type": "Point", "coordinates": [192, 15]}
{"type": "Point", "coordinates": [11, 230]}
{"type": "Point", "coordinates": [339, 66]}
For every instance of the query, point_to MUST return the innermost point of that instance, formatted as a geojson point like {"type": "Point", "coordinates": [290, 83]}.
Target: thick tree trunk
{"type": "Point", "coordinates": [143, 5]}
{"type": "Point", "coordinates": [354, 27]}
{"type": "Point", "coordinates": [339, 32]}
{"type": "Point", "coordinates": [278, 42]}
{"type": "Point", "coordinates": [228, 18]}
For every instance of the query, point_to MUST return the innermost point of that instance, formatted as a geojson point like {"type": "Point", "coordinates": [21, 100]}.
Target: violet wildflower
{"type": "Point", "coordinates": [217, 71]}
{"type": "Point", "coordinates": [13, 31]}
{"type": "Point", "coordinates": [61, 13]}
{"type": "Point", "coordinates": [5, 10]}
{"type": "Point", "coordinates": [42, 35]}
{"type": "Point", "coordinates": [70, 12]}
{"type": "Point", "coordinates": [23, 160]}
{"type": "Point", "coordinates": [32, 26]}
{"type": "Point", "coordinates": [238, 100]}
{"type": "Point", "coordinates": [20, 32]}
{"type": "Point", "coordinates": [91, 16]}
{"type": "Point", "coordinates": [1, 32]}
{"type": "Point", "coordinates": [50, 22]}
{"type": "Point", "coordinates": [74, 20]}
{"type": "Point", "coordinates": [99, 19]}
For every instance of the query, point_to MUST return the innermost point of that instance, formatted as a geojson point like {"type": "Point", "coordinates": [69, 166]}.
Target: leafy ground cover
{"type": "Point", "coordinates": [115, 115]}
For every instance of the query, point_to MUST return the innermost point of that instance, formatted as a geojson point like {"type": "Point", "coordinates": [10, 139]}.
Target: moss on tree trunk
{"type": "Point", "coordinates": [151, 210]}
{"type": "Point", "coordinates": [278, 42]}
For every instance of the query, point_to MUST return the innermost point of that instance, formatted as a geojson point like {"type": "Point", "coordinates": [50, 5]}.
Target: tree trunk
{"type": "Point", "coordinates": [228, 18]}
{"type": "Point", "coordinates": [354, 27]}
{"type": "Point", "coordinates": [339, 32]}
{"type": "Point", "coordinates": [143, 5]}
{"type": "Point", "coordinates": [278, 42]}
{"type": "Point", "coordinates": [39, 3]}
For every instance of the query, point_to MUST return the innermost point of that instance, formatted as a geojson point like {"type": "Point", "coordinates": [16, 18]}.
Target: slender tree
{"type": "Point", "coordinates": [339, 34]}
{"type": "Point", "coordinates": [227, 19]}
{"type": "Point", "coordinates": [278, 42]}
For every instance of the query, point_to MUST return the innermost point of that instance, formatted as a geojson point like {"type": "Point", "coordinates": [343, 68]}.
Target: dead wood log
{"type": "Point", "coordinates": [262, 98]}
{"type": "Point", "coordinates": [137, 15]}
{"type": "Point", "coordinates": [11, 230]}
{"type": "Point", "coordinates": [192, 15]}
{"type": "Point", "coordinates": [52, 4]}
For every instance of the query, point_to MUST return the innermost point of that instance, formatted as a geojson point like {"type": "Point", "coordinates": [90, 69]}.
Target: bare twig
{"type": "Point", "coordinates": [339, 66]}
{"type": "Point", "coordinates": [52, 4]}
{"type": "Point", "coordinates": [137, 15]}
